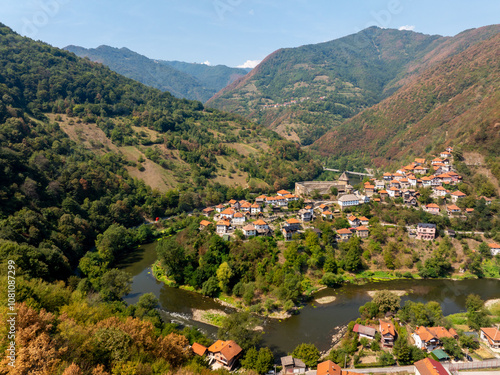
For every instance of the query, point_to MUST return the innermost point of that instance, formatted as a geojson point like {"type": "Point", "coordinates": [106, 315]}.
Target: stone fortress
{"type": "Point", "coordinates": [323, 187]}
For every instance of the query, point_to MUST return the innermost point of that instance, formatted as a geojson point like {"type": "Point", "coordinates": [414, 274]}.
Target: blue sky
{"type": "Point", "coordinates": [231, 32]}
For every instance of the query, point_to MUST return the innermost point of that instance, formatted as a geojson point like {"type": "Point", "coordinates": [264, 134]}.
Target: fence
{"type": "Point", "coordinates": [490, 363]}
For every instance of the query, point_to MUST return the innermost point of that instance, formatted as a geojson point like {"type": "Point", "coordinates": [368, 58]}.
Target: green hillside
{"type": "Point", "coordinates": [333, 81]}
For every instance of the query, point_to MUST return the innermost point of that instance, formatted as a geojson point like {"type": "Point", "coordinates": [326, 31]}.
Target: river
{"type": "Point", "coordinates": [316, 323]}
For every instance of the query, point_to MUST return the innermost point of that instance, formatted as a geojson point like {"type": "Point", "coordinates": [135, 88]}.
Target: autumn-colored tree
{"type": "Point", "coordinates": [174, 348]}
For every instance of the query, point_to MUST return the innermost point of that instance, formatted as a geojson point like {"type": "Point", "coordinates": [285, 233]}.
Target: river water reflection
{"type": "Point", "coordinates": [316, 323]}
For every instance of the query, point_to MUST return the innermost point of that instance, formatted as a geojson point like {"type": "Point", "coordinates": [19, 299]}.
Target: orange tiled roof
{"type": "Point", "coordinates": [328, 368]}
{"type": "Point", "coordinates": [229, 349]}
{"type": "Point", "coordinates": [205, 223]}
{"type": "Point", "coordinates": [494, 245]}
{"type": "Point", "coordinates": [429, 366]}
{"type": "Point", "coordinates": [453, 207]}
{"type": "Point", "coordinates": [327, 212]}
{"type": "Point", "coordinates": [260, 222]}
{"type": "Point", "coordinates": [351, 218]}
{"type": "Point", "coordinates": [284, 192]}
{"type": "Point", "coordinates": [198, 349]}
{"type": "Point", "coordinates": [361, 228]}
{"type": "Point", "coordinates": [239, 214]}
{"type": "Point", "coordinates": [362, 218]}
{"type": "Point", "coordinates": [382, 192]}
{"type": "Point", "coordinates": [387, 328]}
{"type": "Point", "coordinates": [228, 211]}
{"type": "Point", "coordinates": [491, 333]}
{"type": "Point", "coordinates": [458, 193]}
{"type": "Point", "coordinates": [293, 221]}
{"type": "Point", "coordinates": [344, 231]}
{"type": "Point", "coordinates": [432, 205]}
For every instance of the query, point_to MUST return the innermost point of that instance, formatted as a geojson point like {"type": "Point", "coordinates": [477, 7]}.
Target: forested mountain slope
{"type": "Point", "coordinates": [454, 102]}
{"type": "Point", "coordinates": [303, 92]}
{"type": "Point", "coordinates": [183, 80]}
{"type": "Point", "coordinates": [58, 194]}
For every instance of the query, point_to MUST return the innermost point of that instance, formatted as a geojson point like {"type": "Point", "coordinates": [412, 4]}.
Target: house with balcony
{"type": "Point", "coordinates": [426, 231]}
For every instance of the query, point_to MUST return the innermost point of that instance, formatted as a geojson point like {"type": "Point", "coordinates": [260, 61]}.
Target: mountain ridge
{"type": "Point", "coordinates": [173, 77]}
{"type": "Point", "coordinates": [334, 80]}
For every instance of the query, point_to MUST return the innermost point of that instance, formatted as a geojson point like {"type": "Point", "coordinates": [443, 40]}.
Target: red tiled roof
{"type": "Point", "coordinates": [387, 328]}
{"type": "Point", "coordinates": [429, 366]}
{"type": "Point", "coordinates": [229, 349]}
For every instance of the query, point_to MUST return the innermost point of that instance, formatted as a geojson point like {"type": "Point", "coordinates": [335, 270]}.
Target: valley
{"type": "Point", "coordinates": [130, 213]}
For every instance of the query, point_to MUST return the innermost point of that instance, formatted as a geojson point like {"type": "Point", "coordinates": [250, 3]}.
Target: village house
{"type": "Point", "coordinates": [245, 206]}
{"type": "Point", "coordinates": [345, 234]}
{"type": "Point", "coordinates": [362, 232]}
{"type": "Point", "coordinates": [288, 233]}
{"type": "Point", "coordinates": [445, 155]}
{"type": "Point", "coordinates": [429, 338]}
{"type": "Point", "coordinates": [487, 200]}
{"type": "Point", "coordinates": [327, 214]}
{"type": "Point", "coordinates": [291, 197]}
{"type": "Point", "coordinates": [283, 193]}
{"type": "Point", "coordinates": [432, 208]}
{"type": "Point", "coordinates": [426, 231]}
{"type": "Point", "coordinates": [260, 199]}
{"type": "Point", "coordinates": [219, 208]}
{"type": "Point", "coordinates": [292, 366]}
{"type": "Point", "coordinates": [292, 223]}
{"type": "Point", "coordinates": [353, 221]}
{"type": "Point", "coordinates": [427, 182]}
{"type": "Point", "coordinates": [492, 336]}
{"type": "Point", "coordinates": [369, 190]}
{"type": "Point", "coordinates": [281, 201]}
{"type": "Point", "coordinates": [238, 219]}
{"type": "Point", "coordinates": [495, 248]}
{"type": "Point", "coordinates": [322, 207]}
{"type": "Point", "coordinates": [379, 184]}
{"type": "Point", "coordinates": [428, 366]}
{"type": "Point", "coordinates": [387, 176]}
{"type": "Point", "coordinates": [365, 331]}
{"type": "Point", "coordinates": [388, 333]}
{"type": "Point", "coordinates": [228, 213]}
{"type": "Point", "coordinates": [445, 178]}
{"type": "Point", "coordinates": [305, 214]}
{"type": "Point", "coordinates": [223, 226]}
{"type": "Point", "coordinates": [271, 201]}
{"type": "Point", "coordinates": [395, 183]}
{"type": "Point", "coordinates": [363, 220]}
{"type": "Point", "coordinates": [249, 230]}
{"type": "Point", "coordinates": [204, 224]}
{"type": "Point", "coordinates": [453, 210]}
{"type": "Point", "coordinates": [405, 184]}
{"type": "Point", "coordinates": [208, 211]}
{"type": "Point", "coordinates": [383, 194]}
{"type": "Point", "coordinates": [456, 195]}
{"type": "Point", "coordinates": [420, 170]}
{"type": "Point", "coordinates": [255, 209]}
{"type": "Point", "coordinates": [419, 161]}
{"type": "Point", "coordinates": [260, 225]}
{"type": "Point", "coordinates": [439, 191]}
{"type": "Point", "coordinates": [455, 177]}
{"type": "Point", "coordinates": [437, 161]}
{"type": "Point", "coordinates": [397, 176]}
{"type": "Point", "coordinates": [224, 353]}
{"type": "Point", "coordinates": [348, 200]}
{"type": "Point", "coordinates": [393, 192]}
{"type": "Point", "coordinates": [469, 210]}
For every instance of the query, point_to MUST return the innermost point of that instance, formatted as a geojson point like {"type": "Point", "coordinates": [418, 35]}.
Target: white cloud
{"type": "Point", "coordinates": [249, 64]}
{"type": "Point", "coordinates": [206, 63]}
{"type": "Point", "coordinates": [407, 27]}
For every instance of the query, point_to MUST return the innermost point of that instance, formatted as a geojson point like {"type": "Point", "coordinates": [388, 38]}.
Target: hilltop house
{"type": "Point", "coordinates": [225, 353]}
{"type": "Point", "coordinates": [353, 221]}
{"type": "Point", "coordinates": [207, 211]}
{"type": "Point", "coordinates": [255, 209]}
{"type": "Point", "coordinates": [453, 210]}
{"type": "Point", "coordinates": [456, 195]}
{"type": "Point", "coordinates": [362, 231]}
{"type": "Point", "coordinates": [238, 219]}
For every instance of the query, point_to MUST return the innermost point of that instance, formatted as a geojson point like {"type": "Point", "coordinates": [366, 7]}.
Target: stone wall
{"type": "Point", "coordinates": [323, 187]}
